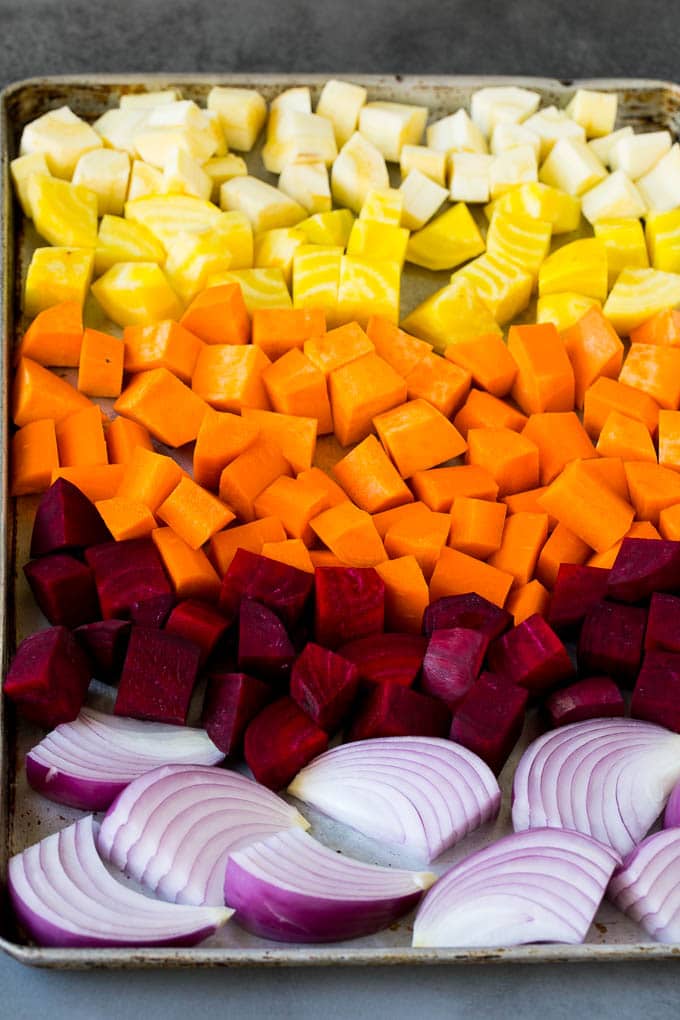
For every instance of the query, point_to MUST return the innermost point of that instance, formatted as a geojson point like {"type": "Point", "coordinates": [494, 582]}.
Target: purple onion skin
{"type": "Point", "coordinates": [671, 818]}
{"type": "Point", "coordinates": [86, 794]}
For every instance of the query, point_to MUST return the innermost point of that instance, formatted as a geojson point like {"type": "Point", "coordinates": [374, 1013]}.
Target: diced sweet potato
{"type": "Point", "coordinates": [596, 697]}
{"type": "Point", "coordinates": [324, 684]}
{"type": "Point", "coordinates": [280, 741]}
{"type": "Point", "coordinates": [471, 611]}
{"type": "Point", "coordinates": [125, 573]}
{"type": "Point", "coordinates": [231, 701]}
{"type": "Point", "coordinates": [66, 519]}
{"type": "Point", "coordinates": [386, 658]}
{"type": "Point", "coordinates": [489, 719]}
{"type": "Point", "coordinates": [158, 676]}
{"type": "Point", "coordinates": [281, 587]}
{"type": "Point", "coordinates": [264, 647]}
{"type": "Point", "coordinates": [48, 677]}
{"type": "Point", "coordinates": [64, 589]}
{"type": "Point", "coordinates": [532, 656]}
{"type": "Point", "coordinates": [105, 641]}
{"type": "Point", "coordinates": [611, 641]}
{"type": "Point", "coordinates": [644, 566]}
{"type": "Point", "coordinates": [656, 697]}
{"type": "Point", "coordinates": [390, 710]}
{"type": "Point", "coordinates": [577, 589]}
{"type": "Point", "coordinates": [350, 603]}
{"type": "Point", "coordinates": [452, 663]}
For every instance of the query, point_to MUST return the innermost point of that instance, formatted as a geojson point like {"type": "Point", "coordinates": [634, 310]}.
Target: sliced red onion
{"type": "Point", "coordinates": [421, 794]}
{"type": "Point", "coordinates": [539, 886]}
{"type": "Point", "coordinates": [86, 763]}
{"type": "Point", "coordinates": [671, 818]}
{"type": "Point", "coordinates": [172, 829]}
{"type": "Point", "coordinates": [64, 896]}
{"type": "Point", "coordinates": [647, 885]}
{"type": "Point", "coordinates": [607, 778]}
{"type": "Point", "coordinates": [292, 889]}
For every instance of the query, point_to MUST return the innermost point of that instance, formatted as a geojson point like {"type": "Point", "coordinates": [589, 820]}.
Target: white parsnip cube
{"type": "Point", "coordinates": [306, 181]}
{"type": "Point", "coordinates": [510, 168]}
{"type": "Point", "coordinates": [178, 125]}
{"type": "Point", "coordinates": [148, 100]}
{"type": "Point", "coordinates": [62, 137]}
{"type": "Point", "coordinates": [551, 124]}
{"type": "Point", "coordinates": [390, 126]}
{"type": "Point", "coordinates": [614, 198]}
{"type": "Point", "coordinates": [107, 173]}
{"type": "Point", "coordinates": [265, 206]}
{"type": "Point", "coordinates": [504, 104]}
{"type": "Point", "coordinates": [636, 155]}
{"type": "Point", "coordinates": [218, 133]}
{"type": "Point", "coordinates": [182, 175]}
{"type": "Point", "coordinates": [359, 167]}
{"type": "Point", "coordinates": [222, 168]}
{"type": "Point", "coordinates": [293, 134]}
{"type": "Point", "coordinates": [429, 161]}
{"type": "Point", "coordinates": [572, 167]}
{"type": "Point", "coordinates": [422, 199]}
{"type": "Point", "coordinates": [469, 176]}
{"type": "Point", "coordinates": [21, 169]}
{"type": "Point", "coordinates": [297, 98]}
{"type": "Point", "coordinates": [117, 129]}
{"type": "Point", "coordinates": [602, 147]}
{"type": "Point", "coordinates": [660, 188]}
{"type": "Point", "coordinates": [242, 113]}
{"type": "Point", "coordinates": [456, 133]}
{"type": "Point", "coordinates": [340, 102]}
{"type": "Point", "coordinates": [594, 111]}
{"type": "Point", "coordinates": [509, 136]}
{"type": "Point", "coordinates": [144, 180]}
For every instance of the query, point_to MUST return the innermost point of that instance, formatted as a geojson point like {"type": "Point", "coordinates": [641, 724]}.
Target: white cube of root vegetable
{"type": "Point", "coordinates": [636, 155]}
{"type": "Point", "coordinates": [117, 128]}
{"type": "Point", "coordinates": [456, 133]}
{"type": "Point", "coordinates": [265, 206]}
{"type": "Point", "coordinates": [62, 137]}
{"type": "Point", "coordinates": [660, 188]}
{"type": "Point", "coordinates": [504, 104]}
{"type": "Point", "coordinates": [155, 145]}
{"type": "Point", "coordinates": [429, 161]}
{"type": "Point", "coordinates": [298, 98]}
{"type": "Point", "coordinates": [340, 102]}
{"type": "Point", "coordinates": [148, 100]}
{"type": "Point", "coordinates": [469, 176]}
{"type": "Point", "coordinates": [107, 173]}
{"type": "Point", "coordinates": [594, 111]}
{"type": "Point", "coordinates": [512, 167]}
{"type": "Point", "coordinates": [359, 167]}
{"type": "Point", "coordinates": [21, 169]}
{"type": "Point", "coordinates": [218, 133]}
{"type": "Point", "coordinates": [614, 198]}
{"type": "Point", "coordinates": [509, 136]}
{"type": "Point", "coordinates": [422, 198]}
{"type": "Point", "coordinates": [222, 168]}
{"type": "Point", "coordinates": [182, 175]}
{"type": "Point", "coordinates": [572, 167]}
{"type": "Point", "coordinates": [390, 126]}
{"type": "Point", "coordinates": [550, 124]}
{"type": "Point", "coordinates": [144, 180]}
{"type": "Point", "coordinates": [242, 113]}
{"type": "Point", "coordinates": [293, 134]}
{"type": "Point", "coordinates": [306, 181]}
{"type": "Point", "coordinates": [602, 147]}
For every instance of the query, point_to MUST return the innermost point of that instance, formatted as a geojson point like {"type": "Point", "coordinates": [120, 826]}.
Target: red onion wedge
{"type": "Point", "coordinates": [421, 794]}
{"type": "Point", "coordinates": [172, 829]}
{"type": "Point", "coordinates": [64, 896]}
{"type": "Point", "coordinates": [88, 762]}
{"type": "Point", "coordinates": [539, 886]}
{"type": "Point", "coordinates": [607, 778]}
{"type": "Point", "coordinates": [671, 818]}
{"type": "Point", "coordinates": [292, 889]}
{"type": "Point", "coordinates": [647, 885]}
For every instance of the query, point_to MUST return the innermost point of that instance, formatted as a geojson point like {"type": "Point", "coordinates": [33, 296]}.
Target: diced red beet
{"type": "Point", "coordinates": [656, 697]}
{"type": "Point", "coordinates": [324, 685]}
{"type": "Point", "coordinates": [390, 710]}
{"type": "Point", "coordinates": [279, 586]}
{"type": "Point", "coordinates": [158, 676]}
{"type": "Point", "coordinates": [387, 658]}
{"type": "Point", "coordinates": [231, 701]}
{"type": "Point", "coordinates": [64, 589]}
{"type": "Point", "coordinates": [643, 566]}
{"type": "Point", "coordinates": [350, 603]}
{"type": "Point", "coordinates": [596, 697]}
{"type": "Point", "coordinates": [125, 573]}
{"type": "Point", "coordinates": [153, 612]}
{"type": "Point", "coordinates": [105, 641]}
{"type": "Point", "coordinates": [532, 656]}
{"type": "Point", "coordinates": [280, 741]}
{"type": "Point", "coordinates": [66, 519]}
{"type": "Point", "coordinates": [471, 611]}
{"type": "Point", "coordinates": [264, 647]}
{"type": "Point", "coordinates": [453, 662]}
{"type": "Point", "coordinates": [663, 623]}
{"type": "Point", "coordinates": [577, 589]}
{"type": "Point", "coordinates": [48, 677]}
{"type": "Point", "coordinates": [611, 641]}
{"type": "Point", "coordinates": [198, 622]}
{"type": "Point", "coordinates": [489, 719]}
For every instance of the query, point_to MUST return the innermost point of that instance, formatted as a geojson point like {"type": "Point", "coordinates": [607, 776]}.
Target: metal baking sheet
{"type": "Point", "coordinates": [25, 816]}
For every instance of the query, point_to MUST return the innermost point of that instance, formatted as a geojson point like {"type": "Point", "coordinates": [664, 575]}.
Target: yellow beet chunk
{"type": "Point", "coordinates": [376, 240]}
{"type": "Point", "coordinates": [625, 243]}
{"type": "Point", "coordinates": [194, 258]}
{"type": "Point", "coordinates": [63, 213]}
{"type": "Point", "coordinates": [446, 241]}
{"type": "Point", "coordinates": [136, 294]}
{"type": "Point", "coordinates": [451, 315]}
{"type": "Point", "coordinates": [564, 309]}
{"type": "Point", "coordinates": [368, 286]}
{"type": "Point", "coordinates": [503, 286]}
{"type": "Point", "coordinates": [542, 202]}
{"type": "Point", "coordinates": [523, 240]}
{"type": "Point", "coordinates": [121, 240]}
{"type": "Point", "coordinates": [22, 169]}
{"type": "Point", "coordinates": [261, 288]}
{"type": "Point", "coordinates": [383, 205]}
{"type": "Point", "coordinates": [580, 266]}
{"type": "Point", "coordinates": [55, 275]}
{"type": "Point", "coordinates": [169, 215]}
{"type": "Point", "coordinates": [316, 279]}
{"type": "Point", "coordinates": [329, 228]}
{"type": "Point", "coordinates": [662, 231]}
{"type": "Point", "coordinates": [275, 249]}
{"type": "Point", "coordinates": [638, 294]}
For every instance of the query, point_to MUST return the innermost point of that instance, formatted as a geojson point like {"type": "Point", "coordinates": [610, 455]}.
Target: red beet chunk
{"type": "Point", "coordinates": [280, 741]}
{"type": "Point", "coordinates": [387, 658]}
{"type": "Point", "coordinates": [453, 662]}
{"type": "Point", "coordinates": [532, 656]}
{"type": "Point", "coordinates": [663, 624]}
{"type": "Point", "coordinates": [66, 519]}
{"type": "Point", "coordinates": [643, 566]}
{"type": "Point", "coordinates": [158, 676]}
{"type": "Point", "coordinates": [390, 710]}
{"type": "Point", "coordinates": [126, 573]}
{"type": "Point", "coordinates": [152, 612]}
{"type": "Point", "coordinates": [279, 586]}
{"type": "Point", "coordinates": [596, 697]}
{"type": "Point", "coordinates": [324, 684]}
{"type": "Point", "coordinates": [105, 641]}
{"type": "Point", "coordinates": [49, 677]}
{"type": "Point", "coordinates": [231, 701]}
{"type": "Point", "coordinates": [64, 589]}
{"type": "Point", "coordinates": [577, 589]}
{"type": "Point", "coordinates": [198, 622]}
{"type": "Point", "coordinates": [471, 611]}
{"type": "Point", "coordinates": [489, 719]}
{"type": "Point", "coordinates": [264, 647]}
{"type": "Point", "coordinates": [656, 697]}
{"type": "Point", "coordinates": [611, 641]}
{"type": "Point", "coordinates": [350, 603]}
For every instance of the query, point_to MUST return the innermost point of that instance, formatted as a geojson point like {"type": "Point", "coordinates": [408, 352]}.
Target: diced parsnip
{"type": "Point", "coordinates": [505, 104]}
{"type": "Point", "coordinates": [265, 206]}
{"type": "Point", "coordinates": [594, 111]}
{"type": "Point", "coordinates": [275, 249]}
{"type": "Point", "coordinates": [572, 167]}
{"type": "Point", "coordinates": [62, 137]}
{"type": "Point", "coordinates": [615, 197]}
{"type": "Point", "coordinates": [550, 124]}
{"type": "Point", "coordinates": [625, 244]}
{"type": "Point", "coordinates": [456, 133]}
{"type": "Point", "coordinates": [306, 182]}
{"type": "Point", "coordinates": [182, 175]}
{"type": "Point", "coordinates": [660, 188]}
{"type": "Point", "coordinates": [21, 169]}
{"type": "Point", "coordinates": [509, 136]}
{"type": "Point", "coordinates": [144, 180]}
{"type": "Point", "coordinates": [215, 123]}
{"type": "Point", "coordinates": [383, 205]}
{"type": "Point", "coordinates": [636, 155]}
{"type": "Point", "coordinates": [242, 113]}
{"type": "Point", "coordinates": [182, 125]}
{"type": "Point", "coordinates": [118, 128]}
{"type": "Point", "coordinates": [469, 175]}
{"type": "Point", "coordinates": [512, 167]}
{"type": "Point", "coordinates": [148, 100]}
{"type": "Point", "coordinates": [297, 98]}
{"type": "Point", "coordinates": [359, 167]}
{"type": "Point", "coordinates": [136, 293]}
{"type": "Point", "coordinates": [422, 199]}
{"type": "Point", "coordinates": [602, 147]}
{"type": "Point", "coordinates": [193, 258]}
{"type": "Point", "coordinates": [662, 233]}
{"type": "Point", "coordinates": [222, 168]}
{"type": "Point", "coordinates": [121, 240]}
{"type": "Point", "coordinates": [55, 275]}
{"type": "Point", "coordinates": [63, 213]}
{"type": "Point", "coordinates": [390, 126]}
{"type": "Point", "coordinates": [429, 161]}
{"type": "Point", "coordinates": [340, 102]}
{"type": "Point", "coordinates": [106, 172]}
{"type": "Point", "coordinates": [293, 134]}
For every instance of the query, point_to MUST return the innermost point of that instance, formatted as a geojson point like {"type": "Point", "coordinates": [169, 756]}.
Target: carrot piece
{"type": "Point", "coordinates": [55, 336]}
{"type": "Point", "coordinates": [221, 438]}
{"type": "Point", "coordinates": [370, 479]}
{"type": "Point", "coordinates": [524, 535]}
{"type": "Point", "coordinates": [611, 472]}
{"type": "Point", "coordinates": [527, 502]}
{"type": "Point", "coordinates": [80, 439]}
{"type": "Point", "coordinates": [294, 503]}
{"type": "Point", "coordinates": [244, 478]}
{"type": "Point", "coordinates": [417, 437]}
{"type": "Point", "coordinates": [563, 546]}
{"type": "Point", "coordinates": [440, 382]}
{"type": "Point", "coordinates": [162, 403]}
{"type": "Point", "coordinates": [251, 536]}
{"type": "Point", "coordinates": [194, 513]}
{"type": "Point", "coordinates": [560, 438]}
{"type": "Point", "coordinates": [295, 437]}
{"type": "Point", "coordinates": [527, 600]}
{"type": "Point", "coordinates": [669, 439]}
{"type": "Point", "coordinates": [218, 315]}
{"type": "Point", "coordinates": [638, 529]}
{"type": "Point", "coordinates": [149, 478]}
{"type": "Point", "coordinates": [508, 456]}
{"type": "Point", "coordinates": [317, 479]}
{"type": "Point", "coordinates": [292, 551]}
{"type": "Point", "coordinates": [126, 519]}
{"type": "Point", "coordinates": [33, 458]}
{"type": "Point", "coordinates": [439, 487]}
{"type": "Point", "coordinates": [624, 437]}
{"type": "Point", "coordinates": [594, 349]}
{"type": "Point", "coordinates": [652, 488]}
{"type": "Point", "coordinates": [484, 411]}
{"type": "Point", "coordinates": [324, 558]}
{"type": "Point", "coordinates": [545, 378]}
{"type": "Point", "coordinates": [488, 361]}
{"type": "Point", "coordinates": [123, 436]}
{"type": "Point", "coordinates": [406, 594]}
{"type": "Point", "coordinates": [607, 395]}
{"type": "Point", "coordinates": [654, 371]}
{"type": "Point", "coordinates": [350, 533]}
{"type": "Point", "coordinates": [457, 573]}
{"type": "Point", "coordinates": [422, 535]}
{"type": "Point", "coordinates": [663, 328]}
{"type": "Point", "coordinates": [588, 507]}
{"type": "Point", "coordinates": [189, 570]}
{"type": "Point", "coordinates": [359, 391]}
{"type": "Point", "coordinates": [477, 526]}
{"type": "Point", "coordinates": [338, 347]}
{"type": "Point", "coordinates": [100, 371]}
{"type": "Point", "coordinates": [38, 393]}
{"type": "Point", "coordinates": [278, 330]}
{"type": "Point", "coordinates": [230, 378]}
{"type": "Point", "coordinates": [97, 482]}
{"type": "Point", "coordinates": [295, 386]}
{"type": "Point", "coordinates": [398, 348]}
{"type": "Point", "coordinates": [164, 344]}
